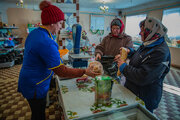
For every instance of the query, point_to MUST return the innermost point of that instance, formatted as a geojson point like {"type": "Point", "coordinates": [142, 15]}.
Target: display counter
{"type": "Point", "coordinates": [130, 112]}
{"type": "Point", "coordinates": [175, 56]}
{"type": "Point", "coordinates": [77, 100]}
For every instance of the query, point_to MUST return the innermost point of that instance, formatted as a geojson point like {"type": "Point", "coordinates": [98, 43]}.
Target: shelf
{"type": "Point", "coordinates": [7, 55]}
{"type": "Point", "coordinates": [6, 64]}
{"type": "Point", "coordinates": [3, 38]}
{"type": "Point", "coordinates": [5, 51]}
{"type": "Point", "coordinates": [8, 27]}
{"type": "Point", "coordinates": [31, 29]}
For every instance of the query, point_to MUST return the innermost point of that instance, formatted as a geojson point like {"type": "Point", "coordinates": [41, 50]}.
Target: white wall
{"type": "Point", "coordinates": [3, 9]}
{"type": "Point", "coordinates": [21, 17]}
{"type": "Point", "coordinates": [175, 56]}
{"type": "Point", "coordinates": [95, 38]}
{"type": "Point", "coordinates": [156, 13]}
{"type": "Point", "coordinates": [5, 5]}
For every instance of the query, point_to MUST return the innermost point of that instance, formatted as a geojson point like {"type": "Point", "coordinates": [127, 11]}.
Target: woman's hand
{"type": "Point", "coordinates": [98, 56]}
{"type": "Point", "coordinates": [120, 62]}
{"type": "Point", "coordinates": [90, 73]}
{"type": "Point", "coordinates": [117, 57]}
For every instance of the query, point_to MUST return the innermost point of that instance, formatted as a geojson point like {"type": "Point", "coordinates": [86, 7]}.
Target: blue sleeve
{"type": "Point", "coordinates": [131, 51]}
{"type": "Point", "coordinates": [121, 68]}
{"type": "Point", "coordinates": [50, 55]}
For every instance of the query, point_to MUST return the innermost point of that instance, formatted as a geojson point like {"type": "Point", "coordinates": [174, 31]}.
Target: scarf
{"type": "Point", "coordinates": [153, 30]}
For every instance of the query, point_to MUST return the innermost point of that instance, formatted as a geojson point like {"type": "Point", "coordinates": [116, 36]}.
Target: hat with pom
{"type": "Point", "coordinates": [50, 14]}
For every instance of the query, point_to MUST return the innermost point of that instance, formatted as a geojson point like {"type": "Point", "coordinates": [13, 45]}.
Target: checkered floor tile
{"type": "Point", "coordinates": [169, 107]}
{"type": "Point", "coordinates": [13, 106]}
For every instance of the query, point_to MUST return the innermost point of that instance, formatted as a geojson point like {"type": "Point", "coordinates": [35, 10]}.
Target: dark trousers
{"type": "Point", "coordinates": [38, 107]}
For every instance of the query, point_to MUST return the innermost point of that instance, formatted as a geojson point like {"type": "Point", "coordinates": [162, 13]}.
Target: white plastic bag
{"type": "Point", "coordinates": [96, 67]}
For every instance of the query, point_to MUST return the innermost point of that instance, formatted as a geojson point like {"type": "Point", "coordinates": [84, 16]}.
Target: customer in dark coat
{"type": "Point", "coordinates": [149, 64]}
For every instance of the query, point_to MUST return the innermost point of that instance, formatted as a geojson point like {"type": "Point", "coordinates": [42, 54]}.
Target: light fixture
{"type": "Point", "coordinates": [19, 2]}
{"type": "Point", "coordinates": [104, 8]}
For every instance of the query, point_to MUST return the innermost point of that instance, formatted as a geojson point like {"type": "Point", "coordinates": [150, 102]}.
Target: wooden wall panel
{"type": "Point", "coordinates": [21, 17]}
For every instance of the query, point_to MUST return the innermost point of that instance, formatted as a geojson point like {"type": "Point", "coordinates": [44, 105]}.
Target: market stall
{"type": "Point", "coordinates": [77, 99]}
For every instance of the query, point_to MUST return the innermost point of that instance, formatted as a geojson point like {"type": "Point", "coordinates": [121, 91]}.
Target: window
{"type": "Point", "coordinates": [171, 19]}
{"type": "Point", "coordinates": [97, 22]}
{"type": "Point", "coordinates": [132, 26]}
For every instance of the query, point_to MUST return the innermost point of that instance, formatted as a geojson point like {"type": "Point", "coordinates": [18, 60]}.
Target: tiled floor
{"type": "Point", "coordinates": [12, 104]}
{"type": "Point", "coordinates": [169, 107]}
{"type": "Point", "coordinates": [14, 107]}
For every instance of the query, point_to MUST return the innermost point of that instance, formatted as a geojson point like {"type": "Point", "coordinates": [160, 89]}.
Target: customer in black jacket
{"type": "Point", "coordinates": [149, 64]}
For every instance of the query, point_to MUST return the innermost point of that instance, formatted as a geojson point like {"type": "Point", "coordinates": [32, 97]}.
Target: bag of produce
{"type": "Point", "coordinates": [96, 67]}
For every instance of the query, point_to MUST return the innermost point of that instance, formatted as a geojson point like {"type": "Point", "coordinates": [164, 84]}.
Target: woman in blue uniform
{"type": "Point", "coordinates": [149, 64]}
{"type": "Point", "coordinates": [42, 60]}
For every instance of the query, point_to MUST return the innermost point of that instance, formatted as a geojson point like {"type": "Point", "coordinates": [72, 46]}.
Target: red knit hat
{"type": "Point", "coordinates": [50, 14]}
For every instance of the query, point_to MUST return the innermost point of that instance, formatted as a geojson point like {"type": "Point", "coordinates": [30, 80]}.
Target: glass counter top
{"type": "Point", "coordinates": [77, 100]}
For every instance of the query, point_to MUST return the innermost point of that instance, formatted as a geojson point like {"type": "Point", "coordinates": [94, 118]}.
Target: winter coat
{"type": "Point", "coordinates": [146, 71]}
{"type": "Point", "coordinates": [110, 45]}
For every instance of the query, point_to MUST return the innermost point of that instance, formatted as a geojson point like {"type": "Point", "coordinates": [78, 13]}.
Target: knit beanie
{"type": "Point", "coordinates": [119, 23]}
{"type": "Point", "coordinates": [50, 14]}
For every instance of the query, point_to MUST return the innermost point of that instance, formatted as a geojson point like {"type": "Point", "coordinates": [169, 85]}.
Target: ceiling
{"type": "Point", "coordinates": [113, 4]}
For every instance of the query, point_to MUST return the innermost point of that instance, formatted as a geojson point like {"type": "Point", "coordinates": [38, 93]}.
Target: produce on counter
{"type": "Point", "coordinates": [113, 102]}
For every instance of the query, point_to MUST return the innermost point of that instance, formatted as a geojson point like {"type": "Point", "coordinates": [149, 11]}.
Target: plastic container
{"type": "Point", "coordinates": [63, 52]}
{"type": "Point", "coordinates": [103, 89]}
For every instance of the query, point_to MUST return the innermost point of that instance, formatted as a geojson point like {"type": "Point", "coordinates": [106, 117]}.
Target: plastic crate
{"type": "Point", "coordinates": [79, 63]}
{"type": "Point", "coordinates": [6, 64]}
